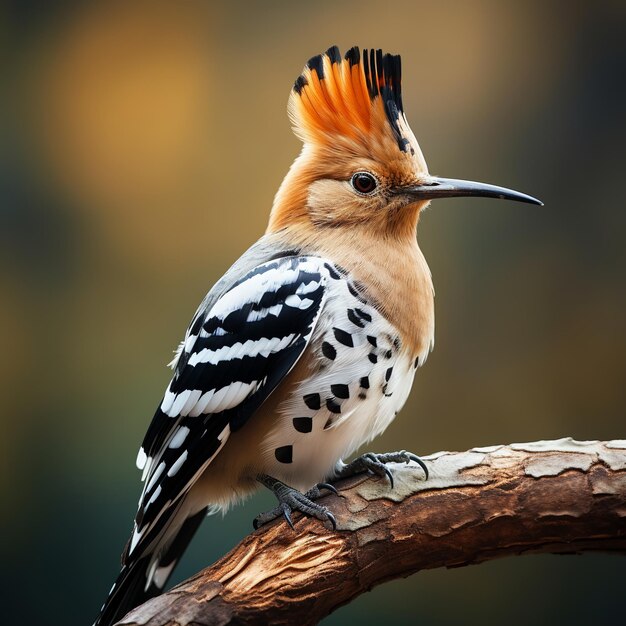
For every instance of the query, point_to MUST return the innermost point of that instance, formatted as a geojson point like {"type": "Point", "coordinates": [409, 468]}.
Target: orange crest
{"type": "Point", "coordinates": [357, 98]}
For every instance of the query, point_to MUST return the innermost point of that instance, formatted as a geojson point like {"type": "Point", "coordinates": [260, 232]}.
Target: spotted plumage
{"type": "Point", "coordinates": [342, 417]}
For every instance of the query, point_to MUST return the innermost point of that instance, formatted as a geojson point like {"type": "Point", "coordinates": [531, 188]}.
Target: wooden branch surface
{"type": "Point", "coordinates": [548, 496]}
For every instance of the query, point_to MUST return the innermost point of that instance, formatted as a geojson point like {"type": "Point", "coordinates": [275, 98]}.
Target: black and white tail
{"type": "Point", "coordinates": [144, 578]}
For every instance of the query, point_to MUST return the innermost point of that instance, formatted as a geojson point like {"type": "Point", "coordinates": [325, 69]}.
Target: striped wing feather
{"type": "Point", "coordinates": [233, 357]}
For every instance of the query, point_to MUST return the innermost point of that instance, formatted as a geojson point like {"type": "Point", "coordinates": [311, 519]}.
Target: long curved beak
{"type": "Point", "coordinates": [451, 187]}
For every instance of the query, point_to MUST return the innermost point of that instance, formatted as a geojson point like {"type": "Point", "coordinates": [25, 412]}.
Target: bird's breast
{"type": "Point", "coordinates": [347, 388]}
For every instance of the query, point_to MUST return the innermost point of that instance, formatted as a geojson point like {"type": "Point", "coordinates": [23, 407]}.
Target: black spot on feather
{"type": "Point", "coordinates": [333, 406]}
{"type": "Point", "coordinates": [313, 401]}
{"type": "Point", "coordinates": [303, 424]}
{"type": "Point", "coordinates": [340, 391]}
{"type": "Point", "coordinates": [343, 337]}
{"type": "Point", "coordinates": [328, 350]}
{"type": "Point", "coordinates": [284, 454]}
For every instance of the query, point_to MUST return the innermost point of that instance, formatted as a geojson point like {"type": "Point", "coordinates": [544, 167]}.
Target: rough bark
{"type": "Point", "coordinates": [549, 496]}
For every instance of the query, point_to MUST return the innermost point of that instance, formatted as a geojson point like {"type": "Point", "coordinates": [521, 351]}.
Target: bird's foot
{"type": "Point", "coordinates": [290, 499]}
{"type": "Point", "coordinates": [377, 464]}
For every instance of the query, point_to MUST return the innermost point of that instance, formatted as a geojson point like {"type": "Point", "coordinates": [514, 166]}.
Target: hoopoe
{"type": "Point", "coordinates": [306, 349]}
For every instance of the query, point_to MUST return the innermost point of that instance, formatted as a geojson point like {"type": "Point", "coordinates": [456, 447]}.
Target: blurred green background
{"type": "Point", "coordinates": [142, 147]}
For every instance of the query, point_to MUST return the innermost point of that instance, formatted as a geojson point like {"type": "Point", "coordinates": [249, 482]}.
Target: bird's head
{"type": "Point", "coordinates": [360, 164]}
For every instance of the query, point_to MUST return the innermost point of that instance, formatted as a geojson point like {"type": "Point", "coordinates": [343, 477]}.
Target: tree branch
{"type": "Point", "coordinates": [548, 496]}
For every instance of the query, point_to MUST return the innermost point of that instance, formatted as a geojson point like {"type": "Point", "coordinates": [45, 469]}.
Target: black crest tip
{"type": "Point", "coordinates": [379, 65]}
{"type": "Point", "coordinates": [353, 56]}
{"type": "Point", "coordinates": [383, 78]}
{"type": "Point", "coordinates": [300, 84]}
{"type": "Point", "coordinates": [317, 63]}
{"type": "Point", "coordinates": [333, 54]}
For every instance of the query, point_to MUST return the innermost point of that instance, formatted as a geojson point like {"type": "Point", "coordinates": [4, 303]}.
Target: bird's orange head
{"type": "Point", "coordinates": [360, 165]}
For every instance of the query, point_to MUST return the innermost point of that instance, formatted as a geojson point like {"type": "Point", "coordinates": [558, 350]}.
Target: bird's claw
{"type": "Point", "coordinates": [403, 457]}
{"type": "Point", "coordinates": [291, 499]}
{"type": "Point", "coordinates": [315, 492]}
{"type": "Point", "coordinates": [377, 464]}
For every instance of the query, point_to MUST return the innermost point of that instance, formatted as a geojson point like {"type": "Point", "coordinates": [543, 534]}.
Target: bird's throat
{"type": "Point", "coordinates": [391, 272]}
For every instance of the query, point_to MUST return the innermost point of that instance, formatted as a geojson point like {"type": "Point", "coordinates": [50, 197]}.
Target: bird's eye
{"type": "Point", "coordinates": [364, 182]}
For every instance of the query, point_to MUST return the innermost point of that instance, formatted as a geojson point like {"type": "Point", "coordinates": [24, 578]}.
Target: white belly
{"type": "Point", "coordinates": [358, 377]}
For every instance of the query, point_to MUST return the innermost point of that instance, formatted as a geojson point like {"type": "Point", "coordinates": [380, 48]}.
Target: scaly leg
{"type": "Point", "coordinates": [290, 499]}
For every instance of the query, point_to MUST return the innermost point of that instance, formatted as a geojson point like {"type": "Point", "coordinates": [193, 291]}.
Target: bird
{"type": "Point", "coordinates": [307, 347]}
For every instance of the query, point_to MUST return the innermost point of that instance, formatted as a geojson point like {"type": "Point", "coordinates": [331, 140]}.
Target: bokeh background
{"type": "Point", "coordinates": [142, 145]}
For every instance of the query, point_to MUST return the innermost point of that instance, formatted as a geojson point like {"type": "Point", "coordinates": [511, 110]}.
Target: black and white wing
{"type": "Point", "coordinates": [233, 357]}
